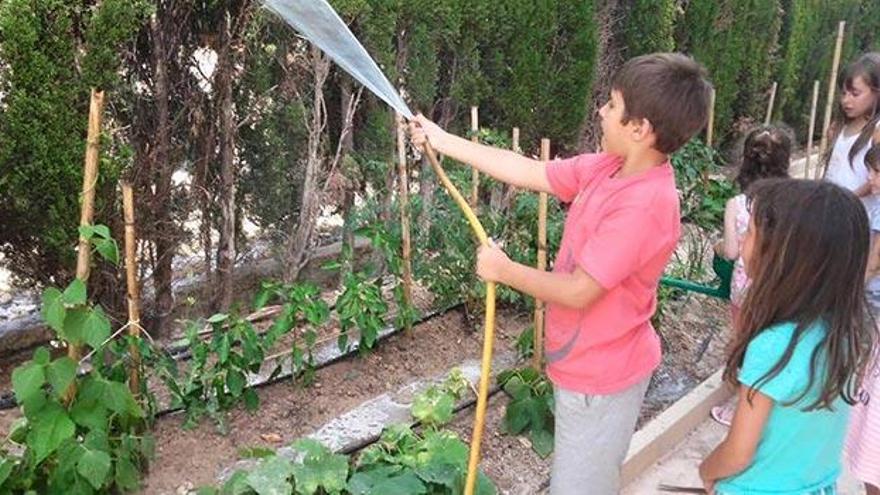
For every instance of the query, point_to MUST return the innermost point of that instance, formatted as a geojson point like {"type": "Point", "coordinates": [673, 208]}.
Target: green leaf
{"type": "Point", "coordinates": [542, 442]}
{"type": "Point", "coordinates": [89, 325]}
{"type": "Point", "coordinates": [42, 356]}
{"type": "Point", "coordinates": [86, 231]}
{"type": "Point", "coordinates": [271, 477]}
{"type": "Point", "coordinates": [94, 466]}
{"type": "Point", "coordinates": [118, 398]}
{"type": "Point", "coordinates": [108, 250]}
{"type": "Point", "coordinates": [381, 481]}
{"type": "Point", "coordinates": [251, 399]}
{"type": "Point", "coordinates": [102, 231]}
{"type": "Point", "coordinates": [27, 382]}
{"type": "Point", "coordinates": [18, 430]}
{"type": "Point", "coordinates": [217, 318]}
{"type": "Point", "coordinates": [320, 469]}
{"type": "Point", "coordinates": [60, 374]}
{"type": "Point", "coordinates": [50, 428]}
{"type": "Point", "coordinates": [263, 295]}
{"type": "Point", "coordinates": [255, 452]}
{"type": "Point", "coordinates": [127, 476]}
{"type": "Point", "coordinates": [235, 382]}
{"type": "Point", "coordinates": [6, 466]}
{"type": "Point", "coordinates": [75, 293]}
{"type": "Point", "coordinates": [53, 310]}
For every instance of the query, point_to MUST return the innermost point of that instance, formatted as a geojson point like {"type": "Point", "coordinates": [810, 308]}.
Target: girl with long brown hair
{"type": "Point", "coordinates": [803, 343]}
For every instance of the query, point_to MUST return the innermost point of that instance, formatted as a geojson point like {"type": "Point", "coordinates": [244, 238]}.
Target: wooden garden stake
{"type": "Point", "coordinates": [832, 86]}
{"type": "Point", "coordinates": [514, 139]}
{"type": "Point", "coordinates": [134, 310]}
{"type": "Point", "coordinates": [404, 216]}
{"type": "Point", "coordinates": [710, 127]}
{"type": "Point", "coordinates": [538, 344]}
{"type": "Point", "coordinates": [475, 177]}
{"type": "Point", "coordinates": [812, 129]}
{"type": "Point", "coordinates": [769, 116]}
{"type": "Point", "coordinates": [87, 211]}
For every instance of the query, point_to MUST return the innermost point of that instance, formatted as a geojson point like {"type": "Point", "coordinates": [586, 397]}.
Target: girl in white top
{"type": "Point", "coordinates": [857, 125]}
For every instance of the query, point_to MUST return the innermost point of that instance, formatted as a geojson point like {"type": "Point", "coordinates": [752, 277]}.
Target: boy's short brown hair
{"type": "Point", "coordinates": [872, 158]}
{"type": "Point", "coordinates": [669, 90]}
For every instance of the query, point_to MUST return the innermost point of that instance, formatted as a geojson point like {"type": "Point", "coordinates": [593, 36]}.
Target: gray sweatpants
{"type": "Point", "coordinates": [591, 440]}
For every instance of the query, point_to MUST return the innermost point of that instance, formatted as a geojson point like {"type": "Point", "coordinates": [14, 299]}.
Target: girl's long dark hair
{"type": "Point", "coordinates": [866, 67]}
{"type": "Point", "coordinates": [766, 155]}
{"type": "Point", "coordinates": [808, 267]}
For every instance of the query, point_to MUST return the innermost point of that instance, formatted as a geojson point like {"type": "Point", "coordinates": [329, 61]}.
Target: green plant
{"type": "Point", "coordinates": [361, 306]}
{"type": "Point", "coordinates": [216, 377]}
{"type": "Point", "coordinates": [435, 406]}
{"type": "Point", "coordinates": [79, 434]}
{"type": "Point", "coordinates": [530, 410]}
{"type": "Point", "coordinates": [301, 303]}
{"type": "Point", "coordinates": [703, 195]}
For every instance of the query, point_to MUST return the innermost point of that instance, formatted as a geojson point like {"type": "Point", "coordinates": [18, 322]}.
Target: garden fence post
{"type": "Point", "coordinates": [829, 103]}
{"type": "Point", "coordinates": [87, 210]}
{"type": "Point", "coordinates": [404, 219]}
{"type": "Point", "coordinates": [134, 310]}
{"type": "Point", "coordinates": [812, 129]}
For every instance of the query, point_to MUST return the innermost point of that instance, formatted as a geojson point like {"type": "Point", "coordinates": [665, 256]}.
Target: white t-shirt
{"type": "Point", "coordinates": [840, 171]}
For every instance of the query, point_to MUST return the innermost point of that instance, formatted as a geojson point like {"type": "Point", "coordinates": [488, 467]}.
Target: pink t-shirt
{"type": "Point", "coordinates": [621, 231]}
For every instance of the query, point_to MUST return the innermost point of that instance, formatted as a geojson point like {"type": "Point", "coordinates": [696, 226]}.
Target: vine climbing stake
{"type": "Point", "coordinates": [320, 24]}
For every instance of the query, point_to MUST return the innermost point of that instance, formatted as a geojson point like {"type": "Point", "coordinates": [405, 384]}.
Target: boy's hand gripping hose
{"type": "Point", "coordinates": [319, 23]}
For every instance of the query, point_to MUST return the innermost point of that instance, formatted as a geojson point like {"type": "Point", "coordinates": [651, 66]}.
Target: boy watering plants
{"type": "Point", "coordinates": [620, 231]}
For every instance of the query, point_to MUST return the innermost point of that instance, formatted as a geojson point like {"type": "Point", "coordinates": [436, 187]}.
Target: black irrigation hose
{"type": "Point", "coordinates": [7, 398]}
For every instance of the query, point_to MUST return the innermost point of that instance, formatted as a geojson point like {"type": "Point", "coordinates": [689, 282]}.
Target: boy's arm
{"type": "Point", "coordinates": [503, 165]}
{"type": "Point", "coordinates": [735, 453]}
{"type": "Point", "coordinates": [576, 290]}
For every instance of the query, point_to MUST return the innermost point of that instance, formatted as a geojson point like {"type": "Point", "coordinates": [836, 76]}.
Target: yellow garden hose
{"type": "Point", "coordinates": [489, 326]}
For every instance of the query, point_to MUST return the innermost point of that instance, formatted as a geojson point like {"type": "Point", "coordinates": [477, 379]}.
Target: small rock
{"type": "Point", "coordinates": [185, 488]}
{"type": "Point", "coordinates": [271, 437]}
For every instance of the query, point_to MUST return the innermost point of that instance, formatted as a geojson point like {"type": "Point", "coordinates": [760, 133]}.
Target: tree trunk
{"type": "Point", "coordinates": [347, 206]}
{"type": "Point", "coordinates": [226, 245]}
{"type": "Point", "coordinates": [298, 243]}
{"type": "Point", "coordinates": [163, 232]}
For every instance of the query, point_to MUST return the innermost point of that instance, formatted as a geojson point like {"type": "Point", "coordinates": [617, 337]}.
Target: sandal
{"type": "Point", "coordinates": [723, 414]}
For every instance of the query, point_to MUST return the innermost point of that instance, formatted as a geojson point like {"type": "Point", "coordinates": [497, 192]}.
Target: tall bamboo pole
{"type": "Point", "coordinates": [710, 127]}
{"type": "Point", "coordinates": [832, 86]}
{"type": "Point", "coordinates": [538, 344]}
{"type": "Point", "coordinates": [475, 177]}
{"type": "Point", "coordinates": [87, 210]}
{"type": "Point", "coordinates": [770, 104]}
{"type": "Point", "coordinates": [812, 129]}
{"type": "Point", "coordinates": [404, 216]}
{"type": "Point", "coordinates": [134, 306]}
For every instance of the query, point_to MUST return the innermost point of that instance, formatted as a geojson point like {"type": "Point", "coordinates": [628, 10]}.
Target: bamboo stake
{"type": "Point", "coordinates": [770, 104]}
{"type": "Point", "coordinates": [538, 344]}
{"type": "Point", "coordinates": [475, 177]}
{"type": "Point", "coordinates": [832, 86]}
{"type": "Point", "coordinates": [134, 309]}
{"type": "Point", "coordinates": [710, 128]}
{"type": "Point", "coordinates": [87, 211]}
{"type": "Point", "coordinates": [488, 332]}
{"type": "Point", "coordinates": [812, 130]}
{"type": "Point", "coordinates": [404, 217]}
{"type": "Point", "coordinates": [515, 140]}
